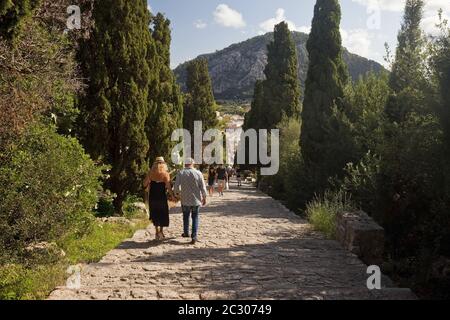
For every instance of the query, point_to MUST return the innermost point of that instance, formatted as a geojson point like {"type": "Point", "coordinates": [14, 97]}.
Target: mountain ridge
{"type": "Point", "coordinates": [235, 69]}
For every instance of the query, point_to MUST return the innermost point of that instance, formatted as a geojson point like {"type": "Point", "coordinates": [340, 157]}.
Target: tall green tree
{"type": "Point", "coordinates": [281, 93]}
{"type": "Point", "coordinates": [13, 13]}
{"type": "Point", "coordinates": [405, 70]}
{"type": "Point", "coordinates": [255, 115]}
{"type": "Point", "coordinates": [165, 98]}
{"type": "Point", "coordinates": [199, 102]}
{"type": "Point", "coordinates": [115, 108]}
{"type": "Point", "coordinates": [278, 96]}
{"type": "Point", "coordinates": [324, 131]}
{"type": "Point", "coordinates": [407, 78]}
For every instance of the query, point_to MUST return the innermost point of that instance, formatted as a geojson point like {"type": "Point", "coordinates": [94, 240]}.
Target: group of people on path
{"type": "Point", "coordinates": [189, 187]}
{"type": "Point", "coordinates": [221, 177]}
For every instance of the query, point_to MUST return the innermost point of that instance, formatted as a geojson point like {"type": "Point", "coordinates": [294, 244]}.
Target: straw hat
{"type": "Point", "coordinates": [160, 160]}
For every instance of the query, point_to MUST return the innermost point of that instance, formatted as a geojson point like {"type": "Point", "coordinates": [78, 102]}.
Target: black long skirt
{"type": "Point", "coordinates": [159, 207]}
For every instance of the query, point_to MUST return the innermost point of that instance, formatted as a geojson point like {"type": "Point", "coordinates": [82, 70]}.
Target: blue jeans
{"type": "Point", "coordinates": [187, 210]}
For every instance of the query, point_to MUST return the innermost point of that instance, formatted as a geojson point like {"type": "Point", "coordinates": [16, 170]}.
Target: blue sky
{"type": "Point", "coordinates": [203, 26]}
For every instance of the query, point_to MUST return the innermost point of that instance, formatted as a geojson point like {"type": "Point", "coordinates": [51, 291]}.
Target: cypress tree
{"type": "Point", "coordinates": [407, 77]}
{"type": "Point", "coordinates": [114, 110]}
{"type": "Point", "coordinates": [253, 118]}
{"type": "Point", "coordinates": [406, 69]}
{"type": "Point", "coordinates": [199, 102]}
{"type": "Point", "coordinates": [323, 134]}
{"type": "Point", "coordinates": [255, 115]}
{"type": "Point", "coordinates": [282, 87]}
{"type": "Point", "coordinates": [165, 98]}
{"type": "Point", "coordinates": [13, 13]}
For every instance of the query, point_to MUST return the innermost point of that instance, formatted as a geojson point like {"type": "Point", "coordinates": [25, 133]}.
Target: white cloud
{"type": "Point", "coordinates": [357, 41]}
{"type": "Point", "coordinates": [228, 17]}
{"type": "Point", "coordinates": [199, 24]}
{"type": "Point", "coordinates": [280, 16]}
{"type": "Point", "coordinates": [304, 29]}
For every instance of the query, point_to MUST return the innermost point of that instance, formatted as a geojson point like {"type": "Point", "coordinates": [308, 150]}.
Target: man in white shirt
{"type": "Point", "coordinates": [190, 185]}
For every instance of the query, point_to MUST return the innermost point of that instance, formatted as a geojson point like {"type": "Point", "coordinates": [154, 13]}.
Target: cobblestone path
{"type": "Point", "coordinates": [250, 247]}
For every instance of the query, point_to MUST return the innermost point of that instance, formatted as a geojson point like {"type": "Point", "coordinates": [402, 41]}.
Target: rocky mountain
{"type": "Point", "coordinates": [235, 70]}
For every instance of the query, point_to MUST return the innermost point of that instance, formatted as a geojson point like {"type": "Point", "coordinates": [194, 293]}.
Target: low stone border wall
{"type": "Point", "coordinates": [361, 235]}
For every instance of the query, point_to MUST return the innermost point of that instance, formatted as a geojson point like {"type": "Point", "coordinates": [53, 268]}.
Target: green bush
{"type": "Point", "coordinates": [362, 181]}
{"type": "Point", "coordinates": [282, 185]}
{"type": "Point", "coordinates": [323, 210]}
{"type": "Point", "coordinates": [49, 188]}
{"type": "Point", "coordinates": [105, 206]}
{"type": "Point", "coordinates": [364, 104]}
{"type": "Point", "coordinates": [20, 283]}
{"type": "Point", "coordinates": [129, 209]}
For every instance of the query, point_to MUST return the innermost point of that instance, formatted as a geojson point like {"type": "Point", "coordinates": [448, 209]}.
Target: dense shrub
{"type": "Point", "coordinates": [34, 82]}
{"type": "Point", "coordinates": [49, 188]}
{"type": "Point", "coordinates": [105, 207]}
{"type": "Point", "coordinates": [362, 181]}
{"type": "Point", "coordinates": [413, 184]}
{"type": "Point", "coordinates": [280, 185]}
{"type": "Point", "coordinates": [364, 103]}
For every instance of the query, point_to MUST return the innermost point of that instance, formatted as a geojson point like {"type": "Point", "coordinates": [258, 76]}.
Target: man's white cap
{"type": "Point", "coordinates": [189, 161]}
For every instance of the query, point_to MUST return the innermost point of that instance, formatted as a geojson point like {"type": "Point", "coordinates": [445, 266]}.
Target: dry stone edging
{"type": "Point", "coordinates": [361, 235]}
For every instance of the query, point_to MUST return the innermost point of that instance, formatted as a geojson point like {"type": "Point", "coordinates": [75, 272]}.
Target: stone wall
{"type": "Point", "coordinates": [361, 235]}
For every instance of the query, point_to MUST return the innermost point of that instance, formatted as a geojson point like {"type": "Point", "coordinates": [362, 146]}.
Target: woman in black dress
{"type": "Point", "coordinates": [212, 177]}
{"type": "Point", "coordinates": [158, 182]}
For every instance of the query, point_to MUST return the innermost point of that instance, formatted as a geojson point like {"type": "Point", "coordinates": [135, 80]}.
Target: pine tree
{"type": "Point", "coordinates": [199, 102]}
{"type": "Point", "coordinates": [165, 98]}
{"type": "Point", "coordinates": [13, 13]}
{"type": "Point", "coordinates": [407, 76]}
{"type": "Point", "coordinates": [115, 107]}
{"type": "Point", "coordinates": [324, 133]}
{"type": "Point", "coordinates": [282, 86]}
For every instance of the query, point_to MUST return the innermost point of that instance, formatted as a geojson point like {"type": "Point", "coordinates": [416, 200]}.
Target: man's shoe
{"type": "Point", "coordinates": [184, 235]}
{"type": "Point", "coordinates": [194, 241]}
